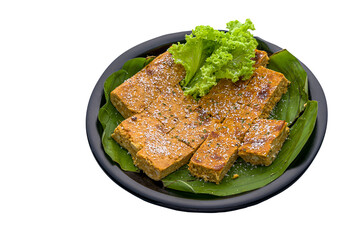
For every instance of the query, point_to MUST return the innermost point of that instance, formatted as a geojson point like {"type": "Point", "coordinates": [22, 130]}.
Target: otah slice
{"type": "Point", "coordinates": [263, 141]}
{"type": "Point", "coordinates": [261, 58]}
{"type": "Point", "coordinates": [134, 132]}
{"type": "Point", "coordinates": [214, 158]}
{"type": "Point", "coordinates": [136, 93]}
{"type": "Point", "coordinates": [162, 156]}
{"type": "Point", "coordinates": [264, 90]}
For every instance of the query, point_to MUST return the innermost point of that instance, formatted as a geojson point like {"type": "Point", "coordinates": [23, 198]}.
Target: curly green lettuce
{"type": "Point", "coordinates": [209, 55]}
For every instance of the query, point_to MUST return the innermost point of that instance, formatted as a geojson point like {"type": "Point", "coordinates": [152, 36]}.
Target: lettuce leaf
{"type": "Point", "coordinates": [193, 54]}
{"type": "Point", "coordinates": [209, 55]}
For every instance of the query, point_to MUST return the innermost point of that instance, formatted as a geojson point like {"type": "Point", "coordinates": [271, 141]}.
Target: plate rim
{"type": "Point", "coordinates": [221, 204]}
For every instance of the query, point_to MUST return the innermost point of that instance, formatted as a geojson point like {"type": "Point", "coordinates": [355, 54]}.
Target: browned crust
{"type": "Point", "coordinates": [264, 90]}
{"type": "Point", "coordinates": [136, 93]}
{"type": "Point", "coordinates": [159, 158]}
{"type": "Point", "coordinates": [214, 158]}
{"type": "Point", "coordinates": [261, 58]}
{"type": "Point", "coordinates": [263, 141]}
{"type": "Point", "coordinates": [133, 132]}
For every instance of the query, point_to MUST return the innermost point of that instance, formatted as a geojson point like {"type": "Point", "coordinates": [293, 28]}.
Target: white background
{"type": "Point", "coordinates": [52, 53]}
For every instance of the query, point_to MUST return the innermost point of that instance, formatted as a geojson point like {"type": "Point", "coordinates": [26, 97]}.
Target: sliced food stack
{"type": "Point", "coordinates": [165, 129]}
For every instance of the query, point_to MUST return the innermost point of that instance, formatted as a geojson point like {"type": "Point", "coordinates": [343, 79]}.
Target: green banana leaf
{"type": "Point", "coordinates": [250, 177]}
{"type": "Point", "coordinates": [110, 118]}
{"type": "Point", "coordinates": [293, 101]}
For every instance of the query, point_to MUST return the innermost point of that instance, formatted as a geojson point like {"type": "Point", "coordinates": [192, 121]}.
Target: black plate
{"type": "Point", "coordinates": [152, 191]}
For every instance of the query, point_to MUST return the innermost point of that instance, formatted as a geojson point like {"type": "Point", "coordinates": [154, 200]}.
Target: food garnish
{"type": "Point", "coordinates": [209, 55]}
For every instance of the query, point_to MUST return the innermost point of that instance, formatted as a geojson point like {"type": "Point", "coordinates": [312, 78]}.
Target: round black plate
{"type": "Point", "coordinates": [152, 191]}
